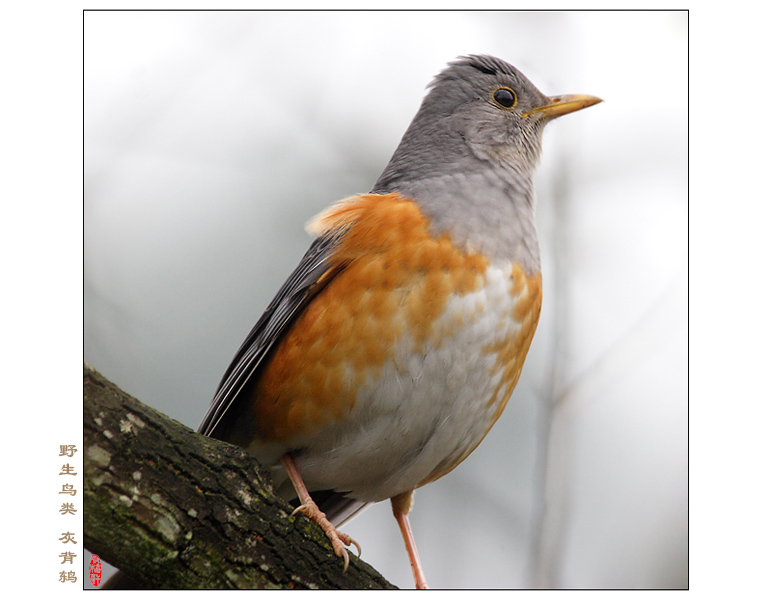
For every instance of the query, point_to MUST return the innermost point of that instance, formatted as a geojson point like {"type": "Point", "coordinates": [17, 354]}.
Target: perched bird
{"type": "Point", "coordinates": [394, 346]}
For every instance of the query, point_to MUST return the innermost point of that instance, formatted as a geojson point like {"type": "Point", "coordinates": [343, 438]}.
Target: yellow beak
{"type": "Point", "coordinates": [562, 105]}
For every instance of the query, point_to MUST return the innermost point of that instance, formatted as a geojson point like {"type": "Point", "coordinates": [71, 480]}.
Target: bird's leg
{"type": "Point", "coordinates": [309, 508]}
{"type": "Point", "coordinates": [400, 506]}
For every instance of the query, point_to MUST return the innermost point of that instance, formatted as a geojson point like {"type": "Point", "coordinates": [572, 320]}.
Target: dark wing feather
{"type": "Point", "coordinates": [315, 271]}
{"type": "Point", "coordinates": [308, 279]}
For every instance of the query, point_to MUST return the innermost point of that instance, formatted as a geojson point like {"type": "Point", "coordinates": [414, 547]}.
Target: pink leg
{"type": "Point", "coordinates": [400, 506]}
{"type": "Point", "coordinates": [309, 508]}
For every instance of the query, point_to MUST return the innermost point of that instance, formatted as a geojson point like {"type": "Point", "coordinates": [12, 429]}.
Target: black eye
{"type": "Point", "coordinates": [505, 97]}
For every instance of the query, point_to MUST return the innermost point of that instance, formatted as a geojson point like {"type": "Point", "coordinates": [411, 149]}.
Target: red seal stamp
{"type": "Point", "coordinates": [95, 569]}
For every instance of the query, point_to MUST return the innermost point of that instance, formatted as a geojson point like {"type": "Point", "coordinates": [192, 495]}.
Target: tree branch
{"type": "Point", "coordinates": [175, 509]}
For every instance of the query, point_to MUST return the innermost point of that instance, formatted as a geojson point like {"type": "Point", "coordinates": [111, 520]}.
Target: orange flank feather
{"type": "Point", "coordinates": [510, 352]}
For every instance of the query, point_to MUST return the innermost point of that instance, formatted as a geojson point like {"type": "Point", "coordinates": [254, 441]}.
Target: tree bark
{"type": "Point", "coordinates": [174, 509]}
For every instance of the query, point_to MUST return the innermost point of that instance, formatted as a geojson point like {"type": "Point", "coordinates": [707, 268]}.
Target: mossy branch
{"type": "Point", "coordinates": [174, 509]}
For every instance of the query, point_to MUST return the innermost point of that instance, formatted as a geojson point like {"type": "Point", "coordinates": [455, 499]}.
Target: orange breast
{"type": "Point", "coordinates": [396, 282]}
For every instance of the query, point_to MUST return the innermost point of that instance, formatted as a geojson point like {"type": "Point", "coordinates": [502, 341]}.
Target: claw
{"type": "Point", "coordinates": [359, 548]}
{"type": "Point", "coordinates": [308, 507]}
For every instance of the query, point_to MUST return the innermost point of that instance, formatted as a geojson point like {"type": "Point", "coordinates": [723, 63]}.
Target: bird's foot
{"type": "Point", "coordinates": [338, 539]}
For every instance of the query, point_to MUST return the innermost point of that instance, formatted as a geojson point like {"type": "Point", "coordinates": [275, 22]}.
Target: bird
{"type": "Point", "coordinates": [393, 347]}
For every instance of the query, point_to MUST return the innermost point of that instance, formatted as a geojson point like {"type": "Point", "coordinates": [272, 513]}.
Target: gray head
{"type": "Point", "coordinates": [469, 154]}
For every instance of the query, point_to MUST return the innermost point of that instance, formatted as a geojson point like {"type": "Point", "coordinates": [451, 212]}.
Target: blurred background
{"type": "Point", "coordinates": [212, 137]}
